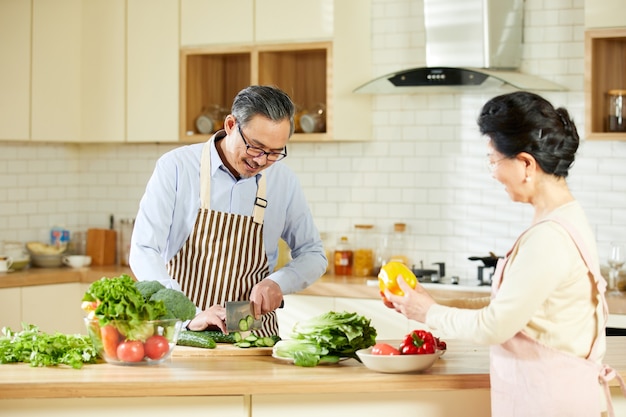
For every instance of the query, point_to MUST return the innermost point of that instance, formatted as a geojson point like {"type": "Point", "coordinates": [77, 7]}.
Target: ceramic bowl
{"type": "Point", "coordinates": [47, 261]}
{"type": "Point", "coordinates": [396, 364]}
{"type": "Point", "coordinates": [143, 343]}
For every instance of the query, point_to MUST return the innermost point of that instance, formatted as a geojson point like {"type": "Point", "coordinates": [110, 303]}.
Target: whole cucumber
{"type": "Point", "coordinates": [196, 339]}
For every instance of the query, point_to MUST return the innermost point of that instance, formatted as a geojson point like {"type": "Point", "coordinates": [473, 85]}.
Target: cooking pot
{"type": "Point", "coordinates": [489, 261]}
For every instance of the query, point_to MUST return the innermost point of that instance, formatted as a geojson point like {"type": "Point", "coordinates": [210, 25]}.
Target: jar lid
{"type": "Point", "coordinates": [617, 92]}
{"type": "Point", "coordinates": [399, 227]}
{"type": "Point", "coordinates": [363, 226]}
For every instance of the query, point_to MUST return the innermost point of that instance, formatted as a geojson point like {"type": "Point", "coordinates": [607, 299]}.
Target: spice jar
{"type": "Point", "coordinates": [343, 257]}
{"type": "Point", "coordinates": [364, 251]}
{"type": "Point", "coordinates": [617, 110]}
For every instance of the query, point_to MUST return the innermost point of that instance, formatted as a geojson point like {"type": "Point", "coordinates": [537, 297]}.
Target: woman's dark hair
{"type": "Point", "coordinates": [526, 122]}
{"type": "Point", "coordinates": [268, 101]}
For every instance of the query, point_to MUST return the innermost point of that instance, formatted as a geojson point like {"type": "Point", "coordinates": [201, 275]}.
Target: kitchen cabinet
{"type": "Point", "coordinates": [152, 70]}
{"type": "Point", "coordinates": [605, 63]}
{"type": "Point", "coordinates": [216, 22]}
{"type": "Point", "coordinates": [204, 22]}
{"type": "Point", "coordinates": [604, 13]}
{"type": "Point", "coordinates": [10, 308]}
{"type": "Point", "coordinates": [15, 37]}
{"type": "Point", "coordinates": [289, 21]}
{"type": "Point", "coordinates": [78, 70]}
{"type": "Point", "coordinates": [605, 69]}
{"type": "Point", "coordinates": [323, 71]}
{"type": "Point", "coordinates": [56, 70]}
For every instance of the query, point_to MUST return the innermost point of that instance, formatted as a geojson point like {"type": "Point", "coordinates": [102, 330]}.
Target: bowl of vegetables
{"type": "Point", "coordinates": [123, 342]}
{"type": "Point", "coordinates": [134, 323]}
{"type": "Point", "coordinates": [417, 352]}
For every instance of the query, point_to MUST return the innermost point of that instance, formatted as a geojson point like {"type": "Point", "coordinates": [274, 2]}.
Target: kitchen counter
{"type": "Point", "coordinates": [327, 285]}
{"type": "Point", "coordinates": [463, 373]}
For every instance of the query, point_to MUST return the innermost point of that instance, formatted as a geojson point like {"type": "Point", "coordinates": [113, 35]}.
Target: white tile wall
{"type": "Point", "coordinates": [425, 167]}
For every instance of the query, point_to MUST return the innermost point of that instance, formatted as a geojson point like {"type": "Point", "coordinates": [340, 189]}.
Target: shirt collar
{"type": "Point", "coordinates": [216, 161]}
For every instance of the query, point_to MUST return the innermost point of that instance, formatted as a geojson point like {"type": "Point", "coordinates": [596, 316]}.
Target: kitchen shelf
{"type": "Point", "coordinates": [211, 77]}
{"type": "Point", "coordinates": [605, 69]}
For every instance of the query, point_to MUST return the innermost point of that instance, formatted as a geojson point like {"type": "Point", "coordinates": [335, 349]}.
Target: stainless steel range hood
{"type": "Point", "coordinates": [471, 45]}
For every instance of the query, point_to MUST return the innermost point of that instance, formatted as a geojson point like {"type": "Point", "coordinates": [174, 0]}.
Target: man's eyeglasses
{"type": "Point", "coordinates": [258, 152]}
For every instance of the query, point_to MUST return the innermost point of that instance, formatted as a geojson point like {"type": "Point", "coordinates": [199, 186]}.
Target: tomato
{"type": "Point", "coordinates": [156, 347]}
{"type": "Point", "coordinates": [130, 351]}
{"type": "Point", "coordinates": [388, 275]}
{"type": "Point", "coordinates": [110, 339]}
{"type": "Point", "coordinates": [384, 349]}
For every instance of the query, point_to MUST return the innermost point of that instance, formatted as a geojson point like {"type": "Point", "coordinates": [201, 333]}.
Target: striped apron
{"type": "Point", "coordinates": [224, 255]}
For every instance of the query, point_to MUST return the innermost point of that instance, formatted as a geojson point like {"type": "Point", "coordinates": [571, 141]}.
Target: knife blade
{"type": "Point", "coordinates": [237, 310]}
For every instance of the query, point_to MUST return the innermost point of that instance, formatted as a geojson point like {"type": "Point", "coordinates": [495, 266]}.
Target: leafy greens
{"type": "Point", "coordinates": [42, 349]}
{"type": "Point", "coordinates": [326, 338]}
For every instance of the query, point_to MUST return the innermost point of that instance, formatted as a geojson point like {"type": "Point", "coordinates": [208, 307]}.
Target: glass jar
{"type": "Point", "coordinates": [125, 235]}
{"type": "Point", "coordinates": [617, 110]}
{"type": "Point", "coordinates": [343, 257]}
{"type": "Point", "coordinates": [327, 251]}
{"type": "Point", "coordinates": [364, 251]}
{"type": "Point", "coordinates": [398, 244]}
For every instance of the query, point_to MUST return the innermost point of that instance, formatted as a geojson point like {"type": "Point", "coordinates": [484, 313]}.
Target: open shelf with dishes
{"type": "Point", "coordinates": [211, 77]}
{"type": "Point", "coordinates": [605, 71]}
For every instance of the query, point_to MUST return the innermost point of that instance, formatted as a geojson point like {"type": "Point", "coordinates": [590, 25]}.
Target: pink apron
{"type": "Point", "coordinates": [224, 256]}
{"type": "Point", "coordinates": [530, 379]}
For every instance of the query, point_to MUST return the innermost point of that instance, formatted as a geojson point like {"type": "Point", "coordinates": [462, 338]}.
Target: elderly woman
{"type": "Point", "coordinates": [545, 320]}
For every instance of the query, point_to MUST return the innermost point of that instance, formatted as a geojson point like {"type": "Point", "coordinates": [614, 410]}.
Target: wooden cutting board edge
{"type": "Point", "coordinates": [222, 349]}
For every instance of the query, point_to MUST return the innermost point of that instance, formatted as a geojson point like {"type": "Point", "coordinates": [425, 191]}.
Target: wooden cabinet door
{"type": "Point", "coordinates": [54, 308]}
{"type": "Point", "coordinates": [103, 71]}
{"type": "Point", "coordinates": [11, 308]}
{"type": "Point", "coordinates": [216, 22]}
{"type": "Point", "coordinates": [350, 115]}
{"type": "Point", "coordinates": [293, 21]}
{"type": "Point", "coordinates": [152, 70]}
{"type": "Point", "coordinates": [56, 62]}
{"type": "Point", "coordinates": [15, 38]}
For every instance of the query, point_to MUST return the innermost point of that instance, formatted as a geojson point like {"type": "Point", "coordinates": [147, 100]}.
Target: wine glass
{"type": "Point", "coordinates": [616, 261]}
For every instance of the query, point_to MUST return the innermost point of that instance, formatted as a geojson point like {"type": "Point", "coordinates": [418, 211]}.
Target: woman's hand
{"type": "Point", "coordinates": [414, 304]}
{"type": "Point", "coordinates": [214, 316]}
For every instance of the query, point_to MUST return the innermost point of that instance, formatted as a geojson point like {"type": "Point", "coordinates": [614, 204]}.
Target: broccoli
{"type": "Point", "coordinates": [176, 303]}
{"type": "Point", "coordinates": [147, 288]}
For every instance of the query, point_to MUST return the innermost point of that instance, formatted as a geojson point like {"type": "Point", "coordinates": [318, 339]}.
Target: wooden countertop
{"type": "Point", "coordinates": [463, 366]}
{"type": "Point", "coordinates": [327, 285]}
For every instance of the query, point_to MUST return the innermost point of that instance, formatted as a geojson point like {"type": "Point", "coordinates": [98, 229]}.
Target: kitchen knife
{"type": "Point", "coordinates": [237, 310]}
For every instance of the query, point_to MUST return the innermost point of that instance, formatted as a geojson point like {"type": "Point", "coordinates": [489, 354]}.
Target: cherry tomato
{"type": "Point", "coordinates": [130, 351]}
{"type": "Point", "coordinates": [111, 338]}
{"type": "Point", "coordinates": [156, 347]}
{"type": "Point", "coordinates": [388, 275]}
{"type": "Point", "coordinates": [384, 349]}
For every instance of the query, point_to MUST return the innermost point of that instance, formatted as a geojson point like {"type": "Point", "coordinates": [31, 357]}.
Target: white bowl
{"type": "Point", "coordinates": [396, 364]}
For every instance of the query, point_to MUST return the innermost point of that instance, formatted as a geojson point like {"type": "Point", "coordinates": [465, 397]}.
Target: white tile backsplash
{"type": "Point", "coordinates": [425, 167]}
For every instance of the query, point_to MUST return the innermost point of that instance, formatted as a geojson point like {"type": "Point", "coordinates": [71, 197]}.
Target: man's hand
{"type": "Point", "coordinates": [215, 316]}
{"type": "Point", "coordinates": [265, 297]}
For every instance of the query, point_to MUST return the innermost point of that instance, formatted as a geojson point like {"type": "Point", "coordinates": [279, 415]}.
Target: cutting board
{"type": "Point", "coordinates": [222, 349]}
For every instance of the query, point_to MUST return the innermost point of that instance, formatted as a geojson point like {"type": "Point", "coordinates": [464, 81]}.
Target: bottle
{"type": "Point", "coordinates": [617, 110]}
{"type": "Point", "coordinates": [343, 257]}
{"type": "Point", "coordinates": [398, 244]}
{"type": "Point", "coordinates": [363, 264]}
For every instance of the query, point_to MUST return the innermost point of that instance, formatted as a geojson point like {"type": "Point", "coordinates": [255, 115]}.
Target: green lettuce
{"type": "Point", "coordinates": [326, 338]}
